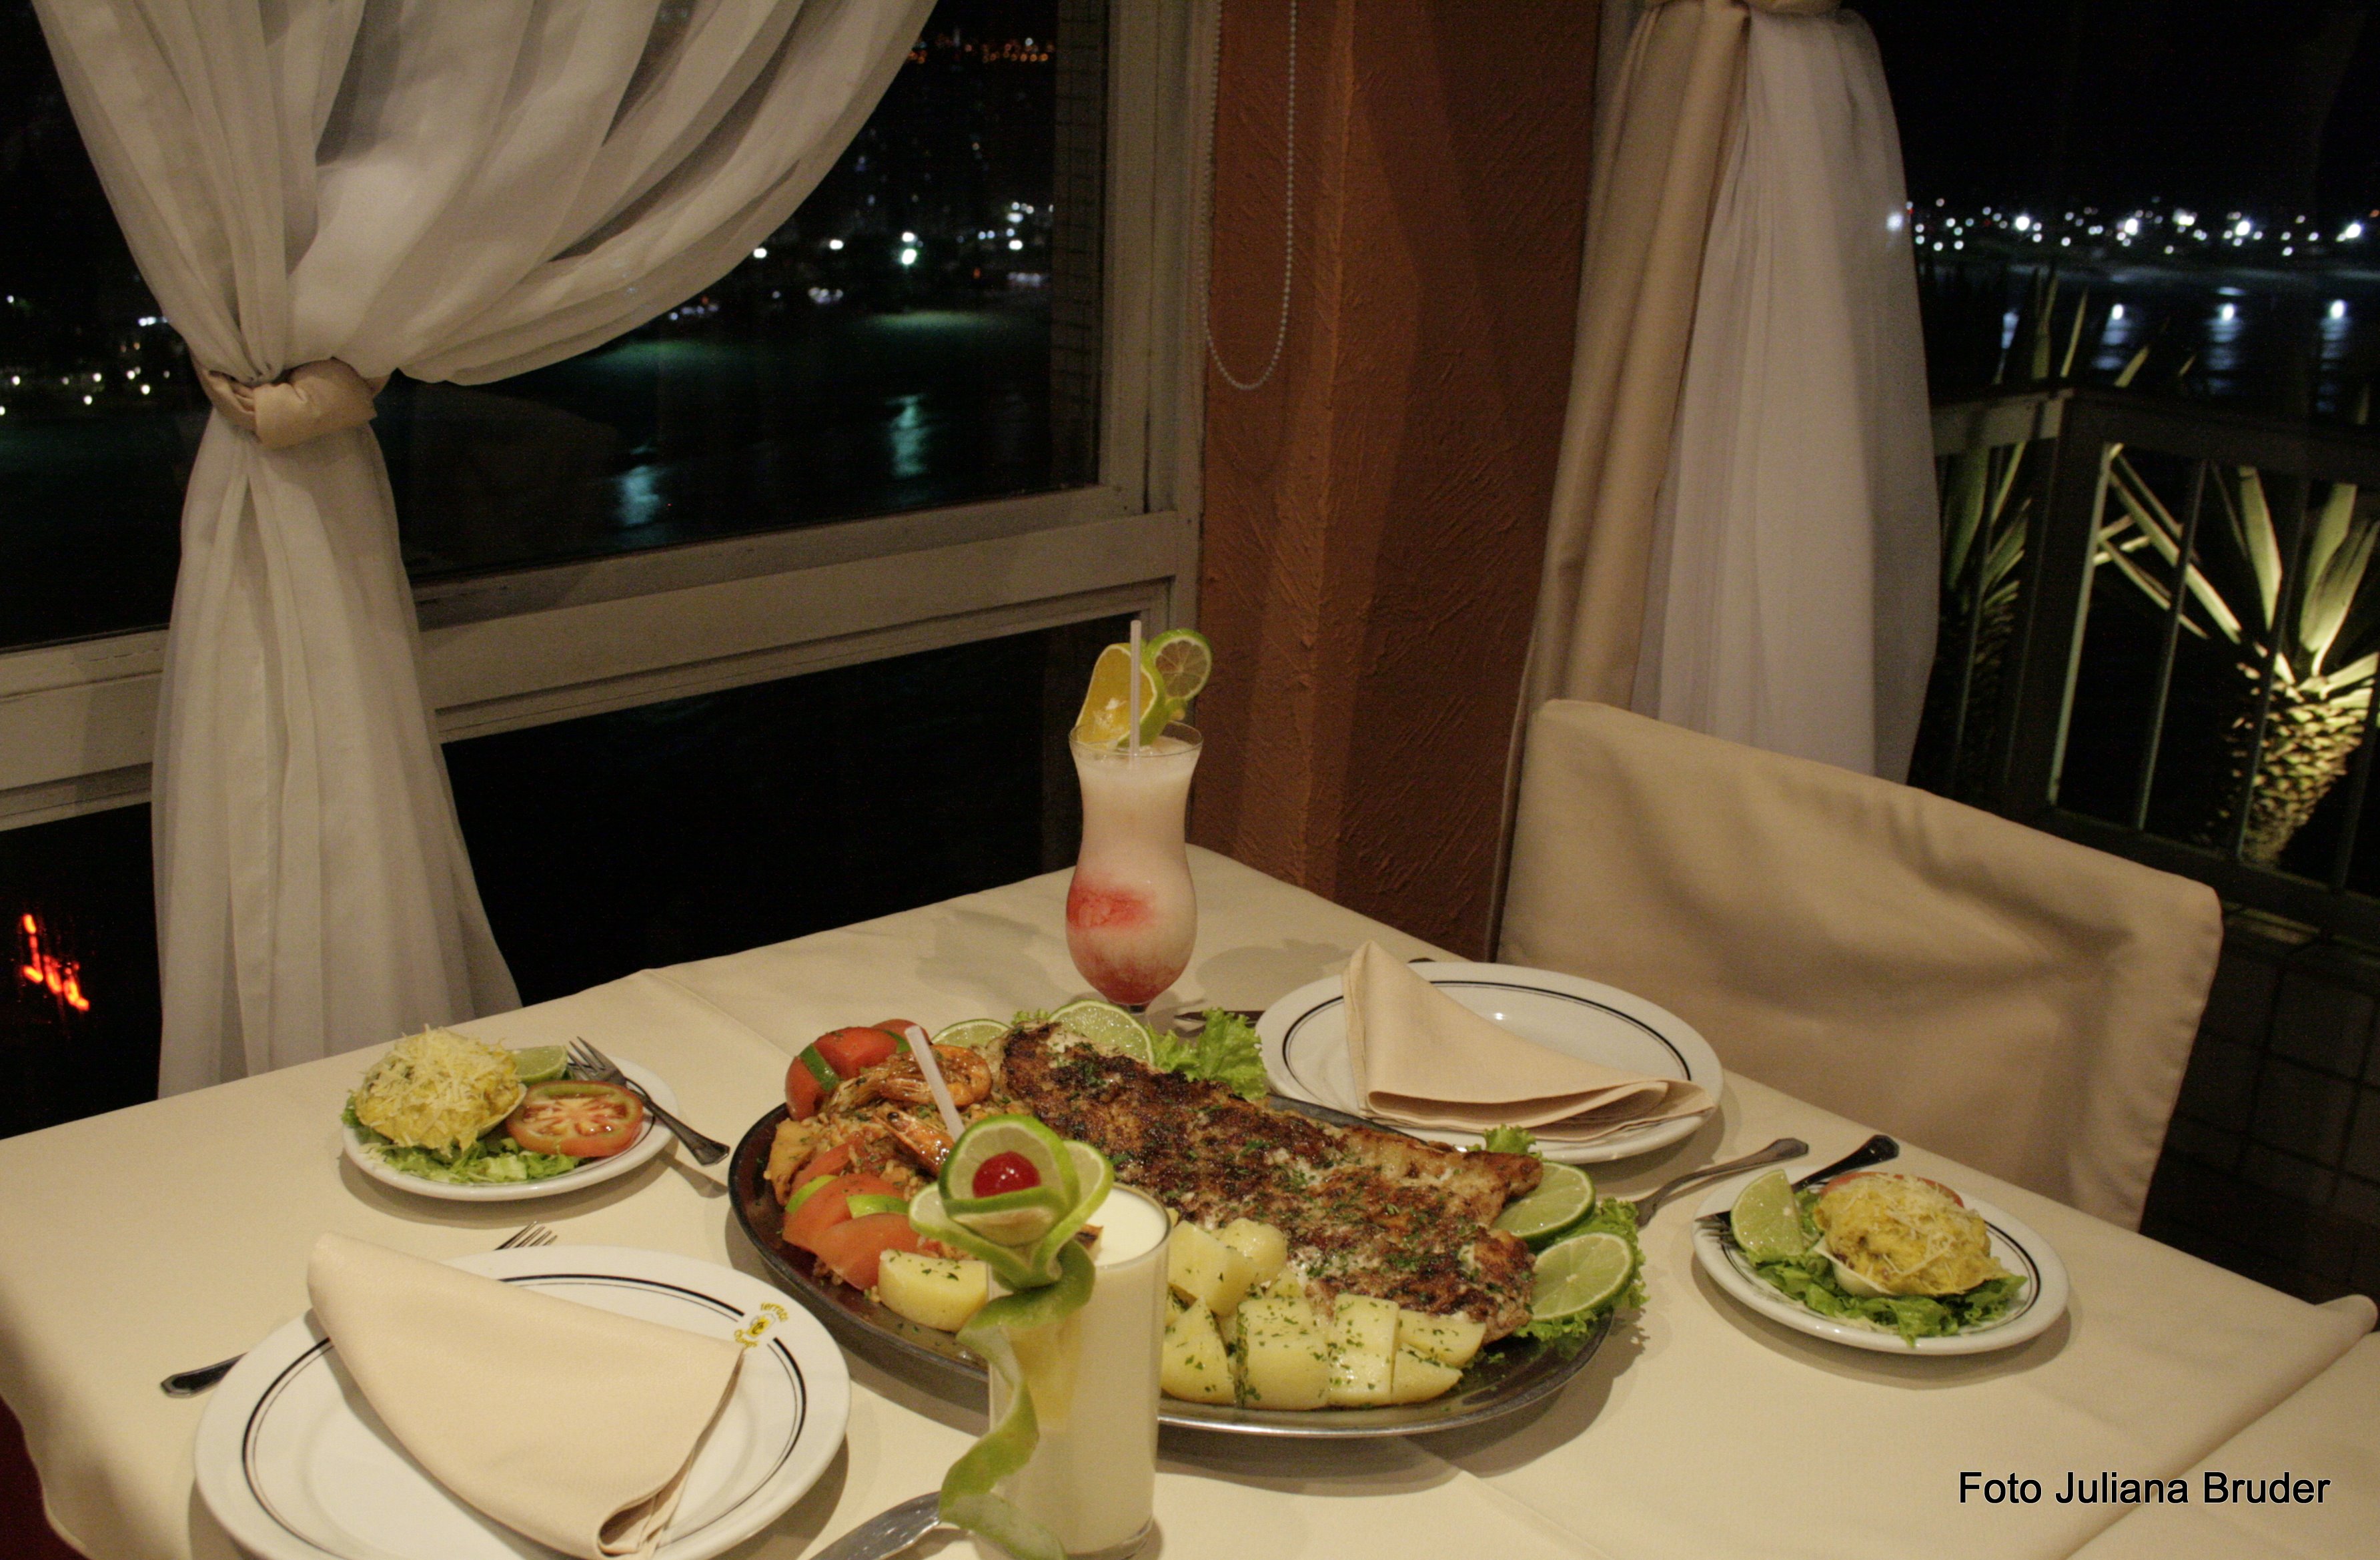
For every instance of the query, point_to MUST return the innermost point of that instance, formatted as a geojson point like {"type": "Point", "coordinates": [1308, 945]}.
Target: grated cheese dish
{"type": "Point", "coordinates": [1906, 1235]}
{"type": "Point", "coordinates": [438, 1091]}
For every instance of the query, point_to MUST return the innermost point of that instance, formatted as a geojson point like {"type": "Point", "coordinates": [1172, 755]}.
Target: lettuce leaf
{"type": "Point", "coordinates": [1510, 1140]}
{"type": "Point", "coordinates": [1810, 1280]}
{"type": "Point", "coordinates": [1226, 1051]}
{"type": "Point", "coordinates": [494, 1160]}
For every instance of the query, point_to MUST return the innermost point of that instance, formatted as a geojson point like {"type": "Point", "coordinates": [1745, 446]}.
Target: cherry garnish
{"type": "Point", "coordinates": [1005, 1172]}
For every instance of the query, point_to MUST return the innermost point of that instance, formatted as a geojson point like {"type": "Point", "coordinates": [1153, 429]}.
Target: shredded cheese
{"type": "Point", "coordinates": [1906, 1235]}
{"type": "Point", "coordinates": [438, 1091]}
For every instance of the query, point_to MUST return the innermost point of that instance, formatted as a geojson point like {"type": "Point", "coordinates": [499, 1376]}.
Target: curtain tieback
{"type": "Point", "coordinates": [309, 401]}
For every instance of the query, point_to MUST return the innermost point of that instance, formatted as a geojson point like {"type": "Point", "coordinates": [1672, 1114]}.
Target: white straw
{"type": "Point", "coordinates": [1132, 684]}
{"type": "Point", "coordinates": [930, 1068]}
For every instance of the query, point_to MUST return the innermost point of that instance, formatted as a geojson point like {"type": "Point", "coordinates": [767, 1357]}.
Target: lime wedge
{"type": "Point", "coordinates": [1106, 716]}
{"type": "Point", "coordinates": [869, 1202]}
{"type": "Point", "coordinates": [1564, 1198]}
{"type": "Point", "coordinates": [1579, 1275]}
{"type": "Point", "coordinates": [1106, 1028]}
{"type": "Point", "coordinates": [972, 1032]}
{"type": "Point", "coordinates": [1182, 661]}
{"type": "Point", "coordinates": [540, 1064]}
{"type": "Point", "coordinates": [1767, 1220]}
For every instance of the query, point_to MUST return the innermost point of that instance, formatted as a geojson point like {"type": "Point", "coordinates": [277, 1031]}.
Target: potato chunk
{"type": "Point", "coordinates": [1201, 1268]}
{"type": "Point", "coordinates": [1364, 1343]}
{"type": "Point", "coordinates": [1449, 1340]}
{"type": "Point", "coordinates": [1193, 1364]}
{"type": "Point", "coordinates": [937, 1292]}
{"type": "Point", "coordinates": [1414, 1380]}
{"type": "Point", "coordinates": [1284, 1355]}
{"type": "Point", "coordinates": [1263, 1245]}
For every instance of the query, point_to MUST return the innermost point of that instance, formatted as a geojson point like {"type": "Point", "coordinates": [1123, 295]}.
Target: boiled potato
{"type": "Point", "coordinates": [1413, 1379]}
{"type": "Point", "coordinates": [1364, 1343]}
{"type": "Point", "coordinates": [1284, 1355]}
{"type": "Point", "coordinates": [1193, 1364]}
{"type": "Point", "coordinates": [1264, 1246]}
{"type": "Point", "coordinates": [938, 1292]}
{"type": "Point", "coordinates": [1449, 1340]}
{"type": "Point", "coordinates": [1202, 1268]}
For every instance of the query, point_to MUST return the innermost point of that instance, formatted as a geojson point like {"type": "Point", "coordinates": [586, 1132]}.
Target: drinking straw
{"type": "Point", "coordinates": [930, 1069]}
{"type": "Point", "coordinates": [1132, 686]}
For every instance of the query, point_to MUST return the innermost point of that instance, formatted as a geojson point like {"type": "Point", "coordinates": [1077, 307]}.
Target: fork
{"type": "Point", "coordinates": [190, 1383]}
{"type": "Point", "coordinates": [588, 1061]}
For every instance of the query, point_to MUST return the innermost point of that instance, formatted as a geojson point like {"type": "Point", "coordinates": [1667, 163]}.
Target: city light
{"type": "Point", "coordinates": [908, 238]}
{"type": "Point", "coordinates": [2352, 232]}
{"type": "Point", "coordinates": [760, 253]}
{"type": "Point", "coordinates": [2117, 313]}
{"type": "Point", "coordinates": [1016, 243]}
{"type": "Point", "coordinates": [2022, 222]}
{"type": "Point", "coordinates": [2228, 313]}
{"type": "Point", "coordinates": [2338, 309]}
{"type": "Point", "coordinates": [909, 257]}
{"type": "Point", "coordinates": [834, 243]}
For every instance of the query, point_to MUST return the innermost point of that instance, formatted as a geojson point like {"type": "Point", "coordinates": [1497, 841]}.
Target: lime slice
{"type": "Point", "coordinates": [1106, 1028]}
{"type": "Point", "coordinates": [972, 1032]}
{"type": "Point", "coordinates": [540, 1064]}
{"type": "Point", "coordinates": [1767, 1220]}
{"type": "Point", "coordinates": [1182, 661]}
{"type": "Point", "coordinates": [1009, 1218]}
{"type": "Point", "coordinates": [1564, 1198]}
{"type": "Point", "coordinates": [869, 1202]}
{"type": "Point", "coordinates": [1107, 705]}
{"type": "Point", "coordinates": [1579, 1275]}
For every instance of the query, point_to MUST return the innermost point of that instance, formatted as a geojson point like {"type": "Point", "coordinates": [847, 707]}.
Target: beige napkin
{"type": "Point", "coordinates": [564, 1422]}
{"type": "Point", "coordinates": [1424, 1059]}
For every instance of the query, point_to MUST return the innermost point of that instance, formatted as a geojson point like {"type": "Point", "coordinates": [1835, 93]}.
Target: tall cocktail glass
{"type": "Point", "coordinates": [1093, 1476]}
{"type": "Point", "coordinates": [1131, 913]}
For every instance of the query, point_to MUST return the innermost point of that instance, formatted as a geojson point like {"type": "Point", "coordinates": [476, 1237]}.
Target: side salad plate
{"type": "Point", "coordinates": [1304, 1040]}
{"type": "Point", "coordinates": [651, 1140]}
{"type": "Point", "coordinates": [296, 1467]}
{"type": "Point", "coordinates": [2038, 1301]}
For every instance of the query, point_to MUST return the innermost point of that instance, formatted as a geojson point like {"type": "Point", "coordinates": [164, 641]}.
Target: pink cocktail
{"type": "Point", "coordinates": [1131, 913]}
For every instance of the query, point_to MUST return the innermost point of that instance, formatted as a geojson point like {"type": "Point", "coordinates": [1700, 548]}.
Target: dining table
{"type": "Point", "coordinates": [155, 1238]}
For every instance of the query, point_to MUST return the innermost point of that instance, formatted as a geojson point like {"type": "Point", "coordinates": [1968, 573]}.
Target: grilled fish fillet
{"type": "Point", "coordinates": [1366, 1212]}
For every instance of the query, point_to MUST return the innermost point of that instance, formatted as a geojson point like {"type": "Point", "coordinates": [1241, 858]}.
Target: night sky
{"type": "Point", "coordinates": [2262, 105]}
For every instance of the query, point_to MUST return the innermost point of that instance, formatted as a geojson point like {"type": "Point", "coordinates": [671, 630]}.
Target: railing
{"type": "Point", "coordinates": [2161, 624]}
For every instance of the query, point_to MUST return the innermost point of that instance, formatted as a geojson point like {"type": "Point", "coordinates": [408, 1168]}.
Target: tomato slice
{"type": "Point", "coordinates": [804, 1092]}
{"type": "Point", "coordinates": [853, 1051]}
{"type": "Point", "coordinates": [834, 1160]}
{"type": "Point", "coordinates": [829, 1206]}
{"type": "Point", "coordinates": [853, 1250]}
{"type": "Point", "coordinates": [582, 1118]}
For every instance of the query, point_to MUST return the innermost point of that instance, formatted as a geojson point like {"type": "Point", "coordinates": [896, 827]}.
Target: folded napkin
{"type": "Point", "coordinates": [1424, 1059]}
{"type": "Point", "coordinates": [564, 1422]}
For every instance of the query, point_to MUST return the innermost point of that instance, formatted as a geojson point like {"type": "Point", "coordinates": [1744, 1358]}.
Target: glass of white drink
{"type": "Point", "coordinates": [1093, 1476]}
{"type": "Point", "coordinates": [1130, 912]}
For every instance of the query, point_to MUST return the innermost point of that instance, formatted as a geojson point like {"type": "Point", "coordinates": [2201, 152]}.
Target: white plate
{"type": "Point", "coordinates": [295, 1466]}
{"type": "Point", "coordinates": [650, 1141]}
{"type": "Point", "coordinates": [2014, 1247]}
{"type": "Point", "coordinates": [1304, 1039]}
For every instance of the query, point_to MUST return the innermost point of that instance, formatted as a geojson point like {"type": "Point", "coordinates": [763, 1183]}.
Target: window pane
{"type": "Point", "coordinates": [890, 347]}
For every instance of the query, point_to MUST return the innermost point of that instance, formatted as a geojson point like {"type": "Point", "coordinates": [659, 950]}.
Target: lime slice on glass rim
{"type": "Point", "coordinates": [1579, 1275]}
{"type": "Point", "coordinates": [1566, 1196]}
{"type": "Point", "coordinates": [972, 1033]}
{"type": "Point", "coordinates": [1106, 1028]}
{"type": "Point", "coordinates": [1767, 1220]}
{"type": "Point", "coordinates": [1181, 660]}
{"type": "Point", "coordinates": [1018, 1233]}
{"type": "Point", "coordinates": [540, 1064]}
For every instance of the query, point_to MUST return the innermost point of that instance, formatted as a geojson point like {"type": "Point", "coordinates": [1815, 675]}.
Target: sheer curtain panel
{"type": "Point", "coordinates": [320, 192]}
{"type": "Point", "coordinates": [1790, 598]}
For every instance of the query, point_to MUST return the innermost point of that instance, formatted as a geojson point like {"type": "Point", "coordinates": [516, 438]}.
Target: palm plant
{"type": "Point", "coordinates": [2313, 710]}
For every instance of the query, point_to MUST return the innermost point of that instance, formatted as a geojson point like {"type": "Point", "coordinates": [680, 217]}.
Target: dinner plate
{"type": "Point", "coordinates": [1304, 1040]}
{"type": "Point", "coordinates": [295, 1466]}
{"type": "Point", "coordinates": [651, 1140]}
{"type": "Point", "coordinates": [2015, 1246]}
{"type": "Point", "coordinates": [1509, 1375]}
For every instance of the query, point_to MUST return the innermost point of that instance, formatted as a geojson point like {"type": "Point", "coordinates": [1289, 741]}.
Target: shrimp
{"type": "Point", "coordinates": [966, 1072]}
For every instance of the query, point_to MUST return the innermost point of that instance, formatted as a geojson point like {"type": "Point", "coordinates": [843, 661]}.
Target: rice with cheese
{"type": "Point", "coordinates": [438, 1091]}
{"type": "Point", "coordinates": [1906, 1235]}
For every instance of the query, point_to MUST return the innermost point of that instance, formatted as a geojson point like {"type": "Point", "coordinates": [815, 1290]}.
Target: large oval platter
{"type": "Point", "coordinates": [1507, 1376]}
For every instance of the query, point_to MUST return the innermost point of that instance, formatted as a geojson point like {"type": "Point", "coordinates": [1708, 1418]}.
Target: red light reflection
{"type": "Point", "coordinates": [60, 978]}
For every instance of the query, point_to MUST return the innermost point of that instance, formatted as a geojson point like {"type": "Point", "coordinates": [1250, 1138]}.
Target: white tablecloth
{"type": "Point", "coordinates": [162, 1236]}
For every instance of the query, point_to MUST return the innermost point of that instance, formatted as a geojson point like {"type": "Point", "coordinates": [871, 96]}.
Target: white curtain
{"type": "Point", "coordinates": [1790, 600]}
{"type": "Point", "coordinates": [463, 190]}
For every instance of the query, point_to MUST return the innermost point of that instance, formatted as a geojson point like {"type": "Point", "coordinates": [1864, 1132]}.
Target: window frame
{"type": "Point", "coordinates": [523, 647]}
